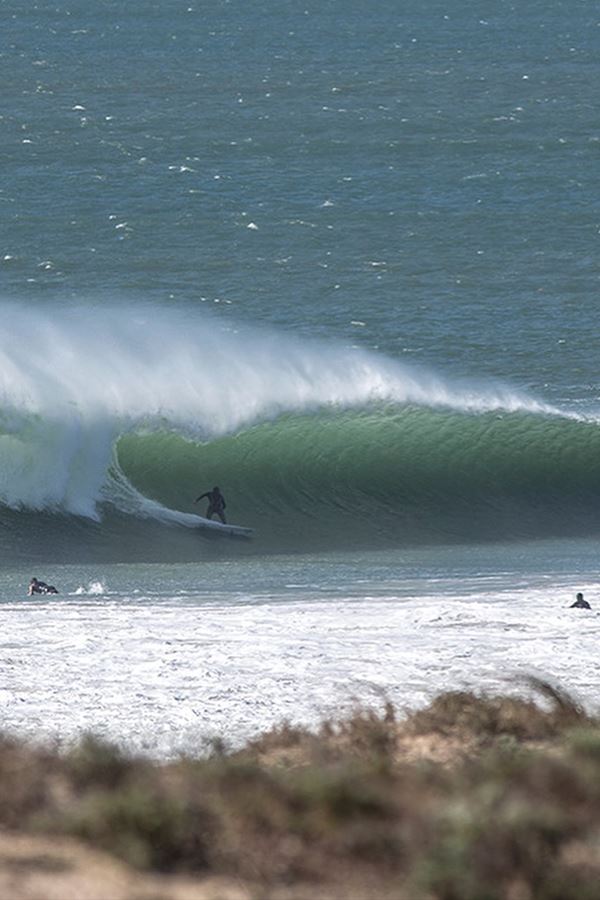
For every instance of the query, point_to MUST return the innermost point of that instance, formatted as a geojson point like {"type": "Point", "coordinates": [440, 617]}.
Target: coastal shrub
{"type": "Point", "coordinates": [503, 825]}
{"type": "Point", "coordinates": [363, 733]}
{"type": "Point", "coordinates": [511, 811]}
{"type": "Point", "coordinates": [486, 716]}
{"type": "Point", "coordinates": [144, 825]}
{"type": "Point", "coordinates": [26, 781]}
{"type": "Point", "coordinates": [585, 743]}
{"type": "Point", "coordinates": [98, 762]}
{"type": "Point", "coordinates": [367, 733]}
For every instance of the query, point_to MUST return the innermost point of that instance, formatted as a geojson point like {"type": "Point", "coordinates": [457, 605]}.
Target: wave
{"type": "Point", "coordinates": [114, 415]}
{"type": "Point", "coordinates": [387, 473]}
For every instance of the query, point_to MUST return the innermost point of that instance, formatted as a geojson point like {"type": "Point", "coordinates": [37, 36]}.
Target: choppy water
{"type": "Point", "coordinates": [341, 262]}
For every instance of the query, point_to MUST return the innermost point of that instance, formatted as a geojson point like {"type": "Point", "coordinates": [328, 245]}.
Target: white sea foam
{"type": "Point", "coordinates": [92, 589]}
{"type": "Point", "coordinates": [162, 670]}
{"type": "Point", "coordinates": [73, 379]}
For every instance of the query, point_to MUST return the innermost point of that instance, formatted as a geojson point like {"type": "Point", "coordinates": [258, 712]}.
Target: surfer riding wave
{"type": "Point", "coordinates": [216, 504]}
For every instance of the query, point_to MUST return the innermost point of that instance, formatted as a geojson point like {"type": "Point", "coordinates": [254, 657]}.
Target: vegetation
{"type": "Point", "coordinates": [473, 798]}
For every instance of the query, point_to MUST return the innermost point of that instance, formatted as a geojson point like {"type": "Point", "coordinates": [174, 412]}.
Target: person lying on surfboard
{"type": "Point", "coordinates": [40, 587]}
{"type": "Point", "coordinates": [216, 504]}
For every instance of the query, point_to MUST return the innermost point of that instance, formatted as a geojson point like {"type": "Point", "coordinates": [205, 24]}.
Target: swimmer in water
{"type": "Point", "coordinates": [40, 587]}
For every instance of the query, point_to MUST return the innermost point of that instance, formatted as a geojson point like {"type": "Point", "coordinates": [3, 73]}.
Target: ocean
{"type": "Point", "coordinates": [341, 261]}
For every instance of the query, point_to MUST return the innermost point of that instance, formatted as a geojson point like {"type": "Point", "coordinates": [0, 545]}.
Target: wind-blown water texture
{"type": "Point", "coordinates": [126, 413]}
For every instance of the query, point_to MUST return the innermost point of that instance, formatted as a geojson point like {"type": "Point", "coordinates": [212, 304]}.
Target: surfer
{"type": "Point", "coordinates": [216, 504]}
{"type": "Point", "coordinates": [580, 603]}
{"type": "Point", "coordinates": [40, 587]}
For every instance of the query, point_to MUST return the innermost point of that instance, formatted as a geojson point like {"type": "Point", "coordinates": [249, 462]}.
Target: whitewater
{"type": "Point", "coordinates": [221, 651]}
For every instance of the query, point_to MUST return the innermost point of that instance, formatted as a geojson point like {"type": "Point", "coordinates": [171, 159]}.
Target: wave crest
{"type": "Point", "coordinates": [137, 408]}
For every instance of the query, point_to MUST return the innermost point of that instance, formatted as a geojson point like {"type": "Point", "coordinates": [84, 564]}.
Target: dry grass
{"type": "Point", "coordinates": [486, 717]}
{"type": "Point", "coordinates": [511, 814]}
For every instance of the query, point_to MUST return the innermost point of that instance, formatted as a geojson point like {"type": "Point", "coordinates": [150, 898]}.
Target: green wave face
{"type": "Point", "coordinates": [384, 475]}
{"type": "Point", "coordinates": [106, 442]}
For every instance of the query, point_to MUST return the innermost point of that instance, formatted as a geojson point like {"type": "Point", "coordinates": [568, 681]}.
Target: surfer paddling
{"type": "Point", "coordinates": [40, 587]}
{"type": "Point", "coordinates": [216, 504]}
{"type": "Point", "coordinates": [580, 603]}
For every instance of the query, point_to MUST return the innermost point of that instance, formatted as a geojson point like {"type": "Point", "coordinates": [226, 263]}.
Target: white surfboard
{"type": "Point", "coordinates": [150, 509]}
{"type": "Point", "coordinates": [232, 530]}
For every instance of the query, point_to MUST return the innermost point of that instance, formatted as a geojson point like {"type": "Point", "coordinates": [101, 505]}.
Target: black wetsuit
{"type": "Point", "coordinates": [216, 504]}
{"type": "Point", "coordinates": [580, 604]}
{"type": "Point", "coordinates": [40, 587]}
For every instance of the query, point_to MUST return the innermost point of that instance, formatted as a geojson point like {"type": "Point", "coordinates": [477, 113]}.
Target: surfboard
{"type": "Point", "coordinates": [220, 528]}
{"type": "Point", "coordinates": [191, 520]}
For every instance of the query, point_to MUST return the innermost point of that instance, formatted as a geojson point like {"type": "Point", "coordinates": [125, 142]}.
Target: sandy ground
{"type": "Point", "coordinates": [42, 868]}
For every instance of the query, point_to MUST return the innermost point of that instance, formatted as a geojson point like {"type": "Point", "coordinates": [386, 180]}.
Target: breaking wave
{"type": "Point", "coordinates": [123, 414]}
